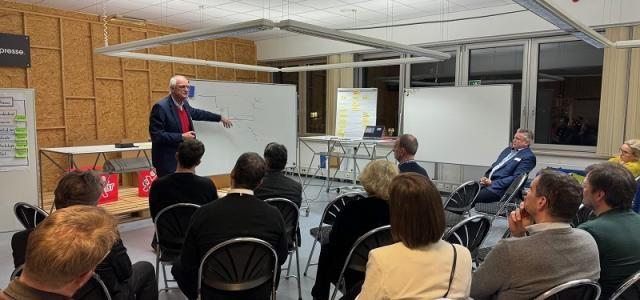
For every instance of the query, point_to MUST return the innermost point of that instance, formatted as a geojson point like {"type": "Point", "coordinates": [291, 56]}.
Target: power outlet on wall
{"type": "Point", "coordinates": [440, 186]}
{"type": "Point", "coordinates": [447, 187]}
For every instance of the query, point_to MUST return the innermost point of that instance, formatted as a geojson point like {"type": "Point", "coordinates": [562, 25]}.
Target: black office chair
{"type": "Point", "coordinates": [321, 233]}
{"type": "Point", "coordinates": [291, 215]}
{"type": "Point", "coordinates": [460, 202]}
{"type": "Point", "coordinates": [359, 254]}
{"type": "Point", "coordinates": [94, 289]}
{"type": "Point", "coordinates": [171, 225]}
{"type": "Point", "coordinates": [470, 233]}
{"type": "Point", "coordinates": [29, 215]}
{"type": "Point", "coordinates": [629, 289]}
{"type": "Point", "coordinates": [584, 214]}
{"type": "Point", "coordinates": [238, 265]}
{"type": "Point", "coordinates": [581, 289]}
{"type": "Point", "coordinates": [504, 205]}
{"type": "Point", "coordinates": [484, 251]}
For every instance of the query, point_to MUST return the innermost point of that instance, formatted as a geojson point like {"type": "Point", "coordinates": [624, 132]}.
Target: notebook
{"type": "Point", "coordinates": [373, 132]}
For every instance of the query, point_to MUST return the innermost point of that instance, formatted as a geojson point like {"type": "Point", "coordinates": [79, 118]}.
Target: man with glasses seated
{"type": "Point", "coordinates": [512, 161]}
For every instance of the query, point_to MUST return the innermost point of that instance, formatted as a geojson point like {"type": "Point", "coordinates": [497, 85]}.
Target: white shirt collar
{"type": "Point", "coordinates": [535, 228]}
{"type": "Point", "coordinates": [241, 191]}
{"type": "Point", "coordinates": [178, 105]}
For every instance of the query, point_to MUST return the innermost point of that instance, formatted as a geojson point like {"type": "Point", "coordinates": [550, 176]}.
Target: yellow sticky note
{"type": "Point", "coordinates": [21, 130]}
{"type": "Point", "coordinates": [21, 153]}
{"type": "Point", "coordinates": [21, 145]}
{"type": "Point", "coordinates": [21, 137]}
{"type": "Point", "coordinates": [21, 118]}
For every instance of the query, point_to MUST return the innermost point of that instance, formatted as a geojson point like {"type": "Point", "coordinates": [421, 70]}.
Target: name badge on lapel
{"type": "Point", "coordinates": [517, 159]}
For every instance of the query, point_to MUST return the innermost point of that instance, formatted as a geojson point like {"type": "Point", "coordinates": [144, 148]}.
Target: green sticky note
{"type": "Point", "coordinates": [21, 130]}
{"type": "Point", "coordinates": [21, 118]}
{"type": "Point", "coordinates": [21, 137]}
{"type": "Point", "coordinates": [21, 145]}
{"type": "Point", "coordinates": [21, 153]}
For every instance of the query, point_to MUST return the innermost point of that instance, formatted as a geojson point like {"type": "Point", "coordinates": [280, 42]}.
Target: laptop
{"type": "Point", "coordinates": [373, 132]}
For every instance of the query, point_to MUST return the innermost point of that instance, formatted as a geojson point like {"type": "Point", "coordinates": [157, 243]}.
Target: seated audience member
{"type": "Point", "coordinates": [420, 265]}
{"type": "Point", "coordinates": [512, 161]}
{"type": "Point", "coordinates": [275, 184]}
{"type": "Point", "coordinates": [356, 219]}
{"type": "Point", "coordinates": [62, 253]}
{"type": "Point", "coordinates": [183, 186]}
{"type": "Point", "coordinates": [608, 190]}
{"type": "Point", "coordinates": [123, 280]}
{"type": "Point", "coordinates": [525, 266]}
{"type": "Point", "coordinates": [238, 214]}
{"type": "Point", "coordinates": [629, 156]}
{"type": "Point", "coordinates": [404, 150]}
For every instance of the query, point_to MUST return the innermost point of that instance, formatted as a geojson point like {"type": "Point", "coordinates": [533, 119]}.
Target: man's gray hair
{"type": "Point", "coordinates": [174, 79]}
{"type": "Point", "coordinates": [527, 133]}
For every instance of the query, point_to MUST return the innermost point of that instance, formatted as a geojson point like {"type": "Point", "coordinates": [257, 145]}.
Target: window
{"type": "Point", "coordinates": [386, 80]}
{"type": "Point", "coordinates": [440, 73]}
{"type": "Point", "coordinates": [316, 101]}
{"type": "Point", "coordinates": [569, 80]}
{"type": "Point", "coordinates": [500, 65]}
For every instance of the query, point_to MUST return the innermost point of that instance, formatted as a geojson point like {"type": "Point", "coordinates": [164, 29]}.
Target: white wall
{"type": "Point", "coordinates": [590, 12]}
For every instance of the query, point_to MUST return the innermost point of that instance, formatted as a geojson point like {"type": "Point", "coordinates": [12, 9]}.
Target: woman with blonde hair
{"type": "Point", "coordinates": [428, 268]}
{"type": "Point", "coordinates": [357, 218]}
{"type": "Point", "coordinates": [629, 156]}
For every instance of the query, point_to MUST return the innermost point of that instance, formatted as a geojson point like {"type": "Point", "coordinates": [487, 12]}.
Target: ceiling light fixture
{"type": "Point", "coordinates": [192, 61]}
{"type": "Point", "coordinates": [360, 64]}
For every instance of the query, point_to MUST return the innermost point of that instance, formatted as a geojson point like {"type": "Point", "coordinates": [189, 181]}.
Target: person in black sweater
{"type": "Point", "coordinates": [275, 184]}
{"type": "Point", "coordinates": [123, 280]}
{"type": "Point", "coordinates": [357, 218]}
{"type": "Point", "coordinates": [239, 214]}
{"type": "Point", "coordinates": [183, 186]}
{"type": "Point", "coordinates": [404, 151]}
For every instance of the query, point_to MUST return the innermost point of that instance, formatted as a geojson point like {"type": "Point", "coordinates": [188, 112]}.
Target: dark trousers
{"type": "Point", "coordinates": [487, 196]}
{"type": "Point", "coordinates": [143, 281]}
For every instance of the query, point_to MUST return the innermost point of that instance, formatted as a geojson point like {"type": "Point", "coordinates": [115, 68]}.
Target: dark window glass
{"type": "Point", "coordinates": [440, 73]}
{"type": "Point", "coordinates": [386, 80]}
{"type": "Point", "coordinates": [316, 101]}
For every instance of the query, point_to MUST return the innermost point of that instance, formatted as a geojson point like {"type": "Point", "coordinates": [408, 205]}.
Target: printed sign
{"type": "Point", "coordinates": [15, 50]}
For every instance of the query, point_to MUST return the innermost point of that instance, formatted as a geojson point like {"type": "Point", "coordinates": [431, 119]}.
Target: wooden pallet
{"type": "Point", "coordinates": [129, 207]}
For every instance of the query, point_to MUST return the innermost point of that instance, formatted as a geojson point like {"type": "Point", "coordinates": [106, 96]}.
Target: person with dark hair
{"type": "Point", "coordinates": [238, 214]}
{"type": "Point", "coordinates": [183, 186]}
{"type": "Point", "coordinates": [123, 280]}
{"type": "Point", "coordinates": [356, 219]}
{"type": "Point", "coordinates": [275, 184]}
{"type": "Point", "coordinates": [512, 161]}
{"type": "Point", "coordinates": [404, 151]}
{"type": "Point", "coordinates": [544, 251]}
{"type": "Point", "coordinates": [62, 253]}
{"type": "Point", "coordinates": [430, 268]}
{"type": "Point", "coordinates": [170, 123]}
{"type": "Point", "coordinates": [608, 190]}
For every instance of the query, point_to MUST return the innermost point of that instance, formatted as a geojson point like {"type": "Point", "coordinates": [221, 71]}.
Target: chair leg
{"type": "Point", "coordinates": [289, 265]}
{"type": "Point", "coordinates": [164, 274]}
{"type": "Point", "coordinates": [313, 247]}
{"type": "Point", "coordinates": [298, 273]}
{"type": "Point", "coordinates": [158, 266]}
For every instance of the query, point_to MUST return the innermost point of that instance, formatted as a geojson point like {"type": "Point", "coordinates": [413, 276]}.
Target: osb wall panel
{"type": "Point", "coordinates": [13, 78]}
{"type": "Point", "coordinates": [245, 54]}
{"type": "Point", "coordinates": [109, 108]}
{"type": "Point", "coordinates": [51, 173]}
{"type": "Point", "coordinates": [43, 31]}
{"type": "Point", "coordinates": [184, 50]}
{"type": "Point", "coordinates": [160, 74]}
{"type": "Point", "coordinates": [224, 52]}
{"type": "Point", "coordinates": [106, 66]}
{"type": "Point", "coordinates": [11, 22]}
{"type": "Point", "coordinates": [136, 113]}
{"type": "Point", "coordinates": [81, 121]}
{"type": "Point", "coordinates": [77, 58]}
{"type": "Point", "coordinates": [128, 35]}
{"type": "Point", "coordinates": [46, 78]}
{"type": "Point", "coordinates": [157, 95]}
{"type": "Point", "coordinates": [263, 77]}
{"type": "Point", "coordinates": [206, 50]}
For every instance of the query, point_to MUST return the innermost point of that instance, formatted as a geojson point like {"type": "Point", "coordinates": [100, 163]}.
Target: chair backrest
{"type": "Point", "coordinates": [463, 197]}
{"type": "Point", "coordinates": [514, 188]}
{"type": "Point", "coordinates": [359, 254]}
{"type": "Point", "coordinates": [336, 206]}
{"type": "Point", "coordinates": [584, 214]}
{"type": "Point", "coordinates": [581, 289]}
{"type": "Point", "coordinates": [470, 232]}
{"type": "Point", "coordinates": [171, 225]}
{"type": "Point", "coordinates": [290, 214]}
{"type": "Point", "coordinates": [629, 289]}
{"type": "Point", "coordinates": [29, 215]}
{"type": "Point", "coordinates": [94, 289]}
{"type": "Point", "coordinates": [239, 264]}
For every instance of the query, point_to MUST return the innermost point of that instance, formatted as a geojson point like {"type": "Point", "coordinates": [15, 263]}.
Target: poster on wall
{"type": "Point", "coordinates": [355, 110]}
{"type": "Point", "coordinates": [14, 145]}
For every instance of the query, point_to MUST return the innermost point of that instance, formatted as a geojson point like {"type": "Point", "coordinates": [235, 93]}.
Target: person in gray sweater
{"type": "Point", "coordinates": [544, 251]}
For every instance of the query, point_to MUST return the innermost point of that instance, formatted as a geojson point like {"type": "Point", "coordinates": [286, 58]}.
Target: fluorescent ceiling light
{"type": "Point", "coordinates": [627, 44]}
{"type": "Point", "coordinates": [556, 16]}
{"type": "Point", "coordinates": [193, 35]}
{"type": "Point", "coordinates": [337, 35]}
{"type": "Point", "coordinates": [360, 64]}
{"type": "Point", "coordinates": [192, 61]}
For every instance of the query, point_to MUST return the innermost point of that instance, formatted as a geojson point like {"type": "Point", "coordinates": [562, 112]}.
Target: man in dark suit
{"type": "Point", "coordinates": [511, 162]}
{"type": "Point", "coordinates": [404, 150]}
{"type": "Point", "coordinates": [239, 214]}
{"type": "Point", "coordinates": [275, 184]}
{"type": "Point", "coordinates": [171, 122]}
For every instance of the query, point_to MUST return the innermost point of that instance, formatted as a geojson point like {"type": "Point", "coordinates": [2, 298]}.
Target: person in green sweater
{"type": "Point", "coordinates": [629, 156]}
{"type": "Point", "coordinates": [608, 190]}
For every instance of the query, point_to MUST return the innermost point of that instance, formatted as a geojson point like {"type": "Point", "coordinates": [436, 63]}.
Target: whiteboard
{"type": "Point", "coordinates": [261, 113]}
{"type": "Point", "coordinates": [459, 125]}
{"type": "Point", "coordinates": [355, 110]}
{"type": "Point", "coordinates": [18, 174]}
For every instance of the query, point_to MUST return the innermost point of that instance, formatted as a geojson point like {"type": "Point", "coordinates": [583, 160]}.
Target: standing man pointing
{"type": "Point", "coordinates": [170, 123]}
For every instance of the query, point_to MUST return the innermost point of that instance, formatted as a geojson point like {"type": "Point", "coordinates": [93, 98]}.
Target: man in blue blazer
{"type": "Point", "coordinates": [170, 123]}
{"type": "Point", "coordinates": [511, 162]}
